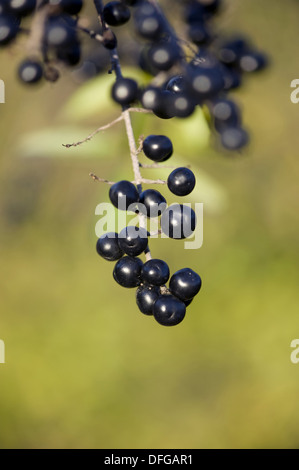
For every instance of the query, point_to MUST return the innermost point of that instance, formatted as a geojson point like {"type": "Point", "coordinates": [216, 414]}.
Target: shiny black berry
{"type": "Point", "coordinates": [116, 13]}
{"type": "Point", "coordinates": [146, 296]}
{"type": "Point", "coordinates": [253, 62]}
{"type": "Point", "coordinates": [181, 105]}
{"type": "Point", "coordinates": [225, 113]}
{"type": "Point", "coordinates": [72, 7]}
{"type": "Point", "coordinates": [124, 91]}
{"type": "Point", "coordinates": [60, 31]}
{"type": "Point", "coordinates": [133, 240]}
{"type": "Point", "coordinates": [127, 272]}
{"type": "Point", "coordinates": [205, 81]}
{"type": "Point", "coordinates": [163, 56]}
{"type": "Point", "coordinates": [178, 221]}
{"type": "Point", "coordinates": [157, 148]}
{"type": "Point", "coordinates": [185, 284]}
{"type": "Point", "coordinates": [155, 272]}
{"type": "Point", "coordinates": [22, 7]}
{"type": "Point", "coordinates": [176, 84]}
{"type": "Point", "coordinates": [199, 33]}
{"type": "Point", "coordinates": [181, 181]}
{"type": "Point", "coordinates": [152, 203]}
{"type": "Point", "coordinates": [234, 138]}
{"type": "Point", "coordinates": [108, 248]}
{"type": "Point", "coordinates": [148, 23]}
{"type": "Point", "coordinates": [30, 71]}
{"type": "Point", "coordinates": [8, 29]}
{"type": "Point", "coordinates": [123, 194]}
{"type": "Point", "coordinates": [168, 310]}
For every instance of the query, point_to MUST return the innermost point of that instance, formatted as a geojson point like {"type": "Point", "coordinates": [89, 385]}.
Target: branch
{"type": "Point", "coordinates": [102, 128]}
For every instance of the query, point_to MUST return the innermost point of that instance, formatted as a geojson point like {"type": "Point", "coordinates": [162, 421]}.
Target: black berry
{"type": "Point", "coordinates": [168, 310]}
{"type": "Point", "coordinates": [108, 247]}
{"type": "Point", "coordinates": [124, 91]}
{"type": "Point", "coordinates": [152, 202]}
{"type": "Point", "coordinates": [123, 194]}
{"type": "Point", "coordinates": [234, 138]}
{"type": "Point", "coordinates": [155, 272]}
{"type": "Point", "coordinates": [127, 272]}
{"type": "Point", "coordinates": [30, 71]}
{"type": "Point", "coordinates": [116, 13]}
{"type": "Point", "coordinates": [72, 7]}
{"type": "Point", "coordinates": [157, 148]}
{"type": "Point", "coordinates": [185, 284]}
{"type": "Point", "coordinates": [146, 296]}
{"type": "Point", "coordinates": [133, 240]}
{"type": "Point", "coordinates": [22, 7]}
{"type": "Point", "coordinates": [181, 181]}
{"type": "Point", "coordinates": [178, 221]}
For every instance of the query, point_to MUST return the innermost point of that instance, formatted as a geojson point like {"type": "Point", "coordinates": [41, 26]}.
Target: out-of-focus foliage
{"type": "Point", "coordinates": [83, 367]}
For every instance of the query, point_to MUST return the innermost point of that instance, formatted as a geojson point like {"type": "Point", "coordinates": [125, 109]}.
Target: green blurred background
{"type": "Point", "coordinates": [84, 369]}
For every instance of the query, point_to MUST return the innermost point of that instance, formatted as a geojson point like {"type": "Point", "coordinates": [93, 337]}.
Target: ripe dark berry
{"type": "Point", "coordinates": [60, 32]}
{"type": "Point", "coordinates": [178, 221]}
{"type": "Point", "coordinates": [157, 148]}
{"type": "Point", "coordinates": [124, 91]}
{"type": "Point", "coordinates": [133, 240]}
{"type": "Point", "coordinates": [199, 33]}
{"type": "Point", "coordinates": [181, 181]}
{"type": "Point", "coordinates": [164, 108]}
{"type": "Point", "coordinates": [205, 82]}
{"type": "Point", "coordinates": [168, 310]}
{"type": "Point", "coordinates": [22, 7]}
{"type": "Point", "coordinates": [252, 62]}
{"type": "Point", "coordinates": [163, 56]}
{"type": "Point", "coordinates": [231, 51]}
{"type": "Point", "coordinates": [146, 296]}
{"type": "Point", "coordinates": [225, 113]}
{"type": "Point", "coordinates": [70, 55]}
{"type": "Point", "coordinates": [181, 105]}
{"type": "Point", "coordinates": [148, 23]}
{"type": "Point", "coordinates": [152, 202]}
{"type": "Point", "coordinates": [123, 194]}
{"type": "Point", "coordinates": [185, 284]}
{"type": "Point", "coordinates": [234, 138]}
{"type": "Point", "coordinates": [155, 272]}
{"type": "Point", "coordinates": [108, 247]}
{"type": "Point", "coordinates": [127, 272]}
{"type": "Point", "coordinates": [30, 71]}
{"type": "Point", "coordinates": [131, 3]}
{"type": "Point", "coordinates": [72, 7]}
{"type": "Point", "coordinates": [116, 13]}
{"type": "Point", "coordinates": [176, 84]}
{"type": "Point", "coordinates": [149, 97]}
{"type": "Point", "coordinates": [8, 29]}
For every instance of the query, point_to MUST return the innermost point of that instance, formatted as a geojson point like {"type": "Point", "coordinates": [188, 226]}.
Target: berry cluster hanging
{"type": "Point", "coordinates": [191, 65]}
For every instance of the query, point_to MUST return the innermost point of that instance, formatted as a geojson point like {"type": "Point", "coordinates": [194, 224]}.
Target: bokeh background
{"type": "Point", "coordinates": [85, 369]}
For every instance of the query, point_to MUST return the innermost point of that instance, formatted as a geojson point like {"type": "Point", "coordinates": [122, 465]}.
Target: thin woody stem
{"type": "Point", "coordinates": [127, 120]}
{"type": "Point", "coordinates": [106, 126]}
{"type": "Point", "coordinates": [102, 128]}
{"type": "Point", "coordinates": [100, 180]}
{"type": "Point", "coordinates": [136, 169]}
{"type": "Point", "coordinates": [35, 39]}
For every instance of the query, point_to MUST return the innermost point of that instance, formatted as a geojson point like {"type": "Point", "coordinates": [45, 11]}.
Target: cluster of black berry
{"type": "Point", "coordinates": [53, 35]}
{"type": "Point", "coordinates": [189, 67]}
{"type": "Point", "coordinates": [168, 305]}
{"type": "Point", "coordinates": [200, 72]}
